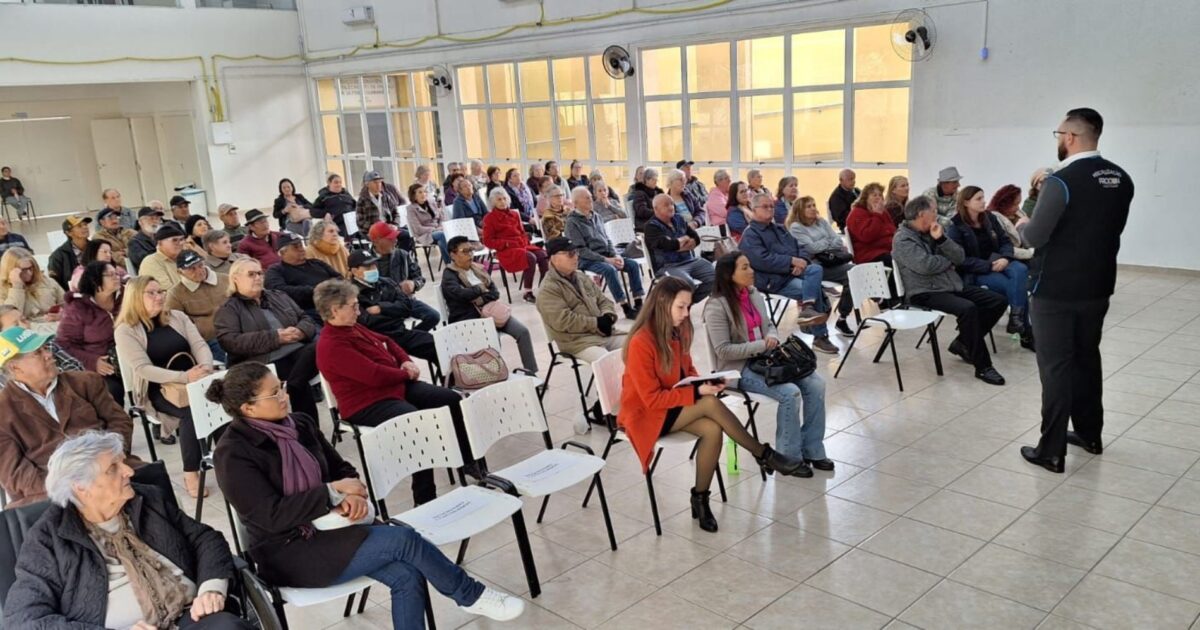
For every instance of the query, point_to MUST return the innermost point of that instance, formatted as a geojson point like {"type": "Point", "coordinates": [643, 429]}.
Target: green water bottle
{"type": "Point", "coordinates": [731, 456]}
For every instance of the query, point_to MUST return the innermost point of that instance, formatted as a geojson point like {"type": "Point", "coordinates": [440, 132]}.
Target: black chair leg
{"type": "Point", "coordinates": [849, 349]}
{"type": "Point", "coordinates": [653, 503]}
{"type": "Point", "coordinates": [430, 624]}
{"type": "Point", "coordinates": [200, 494]}
{"type": "Point", "coordinates": [149, 438]}
{"type": "Point", "coordinates": [531, 576]}
{"type": "Point", "coordinates": [612, 439]}
{"type": "Point", "coordinates": [896, 361]}
{"type": "Point", "coordinates": [612, 538]}
{"type": "Point", "coordinates": [462, 551]}
{"type": "Point", "coordinates": [362, 600]}
{"type": "Point", "coordinates": [937, 353]}
{"type": "Point", "coordinates": [721, 485]}
{"type": "Point", "coordinates": [349, 605]}
{"type": "Point", "coordinates": [546, 502]}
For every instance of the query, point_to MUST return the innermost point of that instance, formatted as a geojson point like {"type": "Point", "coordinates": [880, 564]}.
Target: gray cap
{"type": "Point", "coordinates": [949, 174]}
{"type": "Point", "coordinates": [371, 176]}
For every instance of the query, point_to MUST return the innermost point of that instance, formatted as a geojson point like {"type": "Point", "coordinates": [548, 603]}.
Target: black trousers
{"type": "Point", "coordinates": [189, 446]}
{"type": "Point", "coordinates": [417, 343]}
{"type": "Point", "coordinates": [1068, 355]}
{"type": "Point", "coordinates": [418, 395]}
{"type": "Point", "coordinates": [976, 309]}
{"type": "Point", "coordinates": [298, 368]}
{"type": "Point", "coordinates": [116, 388]}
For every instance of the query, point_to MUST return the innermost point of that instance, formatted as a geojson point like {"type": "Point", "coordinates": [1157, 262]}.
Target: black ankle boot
{"type": "Point", "coordinates": [700, 510]}
{"type": "Point", "coordinates": [777, 462]}
{"type": "Point", "coordinates": [1016, 322]}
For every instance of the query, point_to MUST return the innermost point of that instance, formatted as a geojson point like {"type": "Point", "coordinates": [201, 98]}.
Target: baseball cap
{"type": "Point", "coordinates": [105, 213]}
{"type": "Point", "coordinates": [949, 174]}
{"type": "Point", "coordinates": [684, 162]}
{"type": "Point", "coordinates": [147, 211]}
{"type": "Point", "coordinates": [179, 200]}
{"type": "Point", "coordinates": [371, 176]}
{"type": "Point", "coordinates": [362, 258]}
{"type": "Point", "coordinates": [168, 230]}
{"type": "Point", "coordinates": [225, 208]}
{"type": "Point", "coordinates": [561, 244]}
{"type": "Point", "coordinates": [17, 341]}
{"type": "Point", "coordinates": [74, 220]}
{"type": "Point", "coordinates": [286, 240]}
{"type": "Point", "coordinates": [188, 258]}
{"type": "Point", "coordinates": [383, 230]}
{"type": "Point", "coordinates": [254, 215]}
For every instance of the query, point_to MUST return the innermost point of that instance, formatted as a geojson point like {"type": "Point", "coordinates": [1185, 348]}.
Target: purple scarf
{"type": "Point", "coordinates": [301, 471]}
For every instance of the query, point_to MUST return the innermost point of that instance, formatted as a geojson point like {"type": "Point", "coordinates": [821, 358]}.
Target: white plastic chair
{"type": "Point", "coordinates": [869, 281]}
{"type": "Point", "coordinates": [512, 407]}
{"type": "Point", "coordinates": [134, 410]}
{"type": "Point", "coordinates": [207, 418]}
{"type": "Point", "coordinates": [709, 231]}
{"type": "Point", "coordinates": [620, 233]}
{"type": "Point", "coordinates": [425, 248]}
{"type": "Point", "coordinates": [55, 239]}
{"type": "Point", "coordinates": [426, 439]}
{"type": "Point", "coordinates": [465, 337]}
{"type": "Point", "coordinates": [751, 400]}
{"type": "Point", "coordinates": [43, 261]}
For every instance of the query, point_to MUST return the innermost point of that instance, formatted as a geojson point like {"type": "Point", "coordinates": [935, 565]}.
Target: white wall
{"type": "Point", "coordinates": [990, 118]}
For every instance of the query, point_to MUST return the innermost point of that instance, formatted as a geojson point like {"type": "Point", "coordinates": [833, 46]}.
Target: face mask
{"type": "Point", "coordinates": [371, 276]}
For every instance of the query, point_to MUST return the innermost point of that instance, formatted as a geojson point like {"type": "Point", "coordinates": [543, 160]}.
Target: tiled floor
{"type": "Point", "coordinates": [932, 519]}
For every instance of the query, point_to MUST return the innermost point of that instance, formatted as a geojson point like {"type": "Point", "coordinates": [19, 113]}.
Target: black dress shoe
{"type": "Point", "coordinates": [1095, 448]}
{"type": "Point", "coordinates": [820, 464]}
{"type": "Point", "coordinates": [702, 512]}
{"type": "Point", "coordinates": [1053, 464]}
{"type": "Point", "coordinates": [990, 376]}
{"type": "Point", "coordinates": [959, 349]}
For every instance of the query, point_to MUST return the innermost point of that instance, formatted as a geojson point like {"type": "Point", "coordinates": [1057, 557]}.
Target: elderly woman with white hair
{"type": "Point", "coordinates": [115, 554]}
{"type": "Point", "coordinates": [504, 233]}
{"type": "Point", "coordinates": [685, 206]}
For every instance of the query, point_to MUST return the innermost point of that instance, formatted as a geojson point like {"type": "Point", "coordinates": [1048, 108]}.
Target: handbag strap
{"type": "Point", "coordinates": [176, 356]}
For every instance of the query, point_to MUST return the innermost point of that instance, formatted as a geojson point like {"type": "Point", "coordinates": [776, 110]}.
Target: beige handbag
{"type": "Point", "coordinates": [176, 393]}
{"type": "Point", "coordinates": [478, 369]}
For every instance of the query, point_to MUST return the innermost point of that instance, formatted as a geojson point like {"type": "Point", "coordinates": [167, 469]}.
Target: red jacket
{"type": "Point", "coordinates": [259, 249]}
{"type": "Point", "coordinates": [870, 233]}
{"type": "Point", "coordinates": [504, 233]}
{"type": "Point", "coordinates": [362, 367]}
{"type": "Point", "coordinates": [86, 330]}
{"type": "Point", "coordinates": [647, 393]}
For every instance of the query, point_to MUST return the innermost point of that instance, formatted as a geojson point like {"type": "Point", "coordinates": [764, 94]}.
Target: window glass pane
{"type": "Point", "coordinates": [501, 83]}
{"type": "Point", "coordinates": [373, 92]}
{"type": "Point", "coordinates": [708, 67]}
{"type": "Point", "coordinates": [760, 63]}
{"type": "Point", "coordinates": [335, 166]}
{"type": "Point", "coordinates": [377, 133]}
{"type": "Point", "coordinates": [354, 177]}
{"type": "Point", "coordinates": [604, 86]}
{"type": "Point", "coordinates": [470, 85]}
{"type": "Point", "coordinates": [610, 131]}
{"type": "Point", "coordinates": [710, 123]}
{"type": "Point", "coordinates": [406, 175]}
{"type": "Point", "coordinates": [881, 125]}
{"type": "Point", "coordinates": [661, 69]}
{"type": "Point", "coordinates": [351, 93]}
{"type": "Point", "coordinates": [573, 141]}
{"type": "Point", "coordinates": [475, 133]}
{"type": "Point", "coordinates": [874, 58]}
{"type": "Point", "coordinates": [399, 90]}
{"type": "Point", "coordinates": [617, 178]}
{"type": "Point", "coordinates": [354, 134]}
{"type": "Point", "coordinates": [326, 95]}
{"type": "Point", "coordinates": [664, 130]}
{"type": "Point", "coordinates": [762, 128]}
{"type": "Point", "coordinates": [819, 58]}
{"type": "Point", "coordinates": [770, 176]}
{"type": "Point", "coordinates": [817, 121]}
{"type": "Point", "coordinates": [403, 142]}
{"type": "Point", "coordinates": [539, 143]}
{"type": "Point", "coordinates": [504, 131]}
{"type": "Point", "coordinates": [569, 79]}
{"type": "Point", "coordinates": [333, 135]}
{"type": "Point", "coordinates": [816, 183]}
{"type": "Point", "coordinates": [429, 142]}
{"type": "Point", "coordinates": [535, 81]}
{"type": "Point", "coordinates": [426, 94]}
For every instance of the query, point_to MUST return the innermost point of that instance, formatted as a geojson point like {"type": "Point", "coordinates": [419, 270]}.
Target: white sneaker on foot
{"type": "Point", "coordinates": [496, 605]}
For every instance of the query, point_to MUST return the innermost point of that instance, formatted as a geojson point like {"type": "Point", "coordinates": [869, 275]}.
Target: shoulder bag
{"type": "Point", "coordinates": [790, 361]}
{"type": "Point", "coordinates": [478, 369]}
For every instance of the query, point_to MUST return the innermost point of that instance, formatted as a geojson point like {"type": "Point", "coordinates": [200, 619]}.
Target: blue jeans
{"type": "Point", "coordinates": [613, 277]}
{"type": "Point", "coordinates": [1010, 283]}
{"type": "Point", "coordinates": [399, 557]}
{"type": "Point", "coordinates": [807, 288]}
{"type": "Point", "coordinates": [428, 315]}
{"type": "Point", "coordinates": [440, 239]}
{"type": "Point", "coordinates": [793, 438]}
{"type": "Point", "coordinates": [217, 351]}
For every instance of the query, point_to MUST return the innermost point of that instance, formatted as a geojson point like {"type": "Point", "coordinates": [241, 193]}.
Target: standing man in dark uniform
{"type": "Point", "coordinates": [1076, 231]}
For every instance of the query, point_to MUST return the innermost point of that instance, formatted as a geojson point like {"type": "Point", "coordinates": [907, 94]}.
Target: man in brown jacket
{"type": "Point", "coordinates": [109, 230]}
{"type": "Point", "coordinates": [577, 315]}
{"type": "Point", "coordinates": [200, 292]}
{"type": "Point", "coordinates": [40, 407]}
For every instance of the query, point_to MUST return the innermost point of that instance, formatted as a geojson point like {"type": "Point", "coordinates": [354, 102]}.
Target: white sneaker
{"type": "Point", "coordinates": [496, 605]}
{"type": "Point", "coordinates": [581, 425]}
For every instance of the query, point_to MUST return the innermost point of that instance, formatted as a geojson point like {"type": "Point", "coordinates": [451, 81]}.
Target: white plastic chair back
{"type": "Point", "coordinates": [710, 231]}
{"type": "Point", "coordinates": [868, 280]}
{"type": "Point", "coordinates": [848, 241]}
{"type": "Point", "coordinates": [206, 416]}
{"type": "Point", "coordinates": [460, 227]}
{"type": "Point", "coordinates": [330, 400]}
{"type": "Point", "coordinates": [897, 276]}
{"type": "Point", "coordinates": [408, 444]}
{"type": "Point", "coordinates": [55, 239]}
{"type": "Point", "coordinates": [351, 221]}
{"type": "Point", "coordinates": [127, 379]}
{"type": "Point", "coordinates": [441, 302]}
{"type": "Point", "coordinates": [464, 337]}
{"type": "Point", "coordinates": [609, 371]}
{"type": "Point", "coordinates": [620, 231]}
{"type": "Point", "coordinates": [502, 409]}
{"type": "Point", "coordinates": [43, 261]}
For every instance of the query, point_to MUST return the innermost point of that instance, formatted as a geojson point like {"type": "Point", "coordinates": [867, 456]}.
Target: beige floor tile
{"type": "Point", "coordinates": [808, 607]}
{"type": "Point", "coordinates": [1101, 511]}
{"type": "Point", "coordinates": [1054, 622]}
{"type": "Point", "coordinates": [964, 514]}
{"type": "Point", "coordinates": [841, 520]}
{"type": "Point", "coordinates": [503, 566]}
{"type": "Point", "coordinates": [1159, 369]}
{"type": "Point", "coordinates": [657, 559]}
{"type": "Point", "coordinates": [1003, 486]}
{"type": "Point", "coordinates": [922, 466]}
{"type": "Point", "coordinates": [1145, 385]}
{"type": "Point", "coordinates": [922, 546]}
{"type": "Point", "coordinates": [1184, 496]}
{"type": "Point", "coordinates": [1062, 541]}
{"type": "Point", "coordinates": [1157, 568]}
{"type": "Point", "coordinates": [634, 502]}
{"type": "Point", "coordinates": [591, 593]}
{"type": "Point", "coordinates": [734, 526]}
{"type": "Point", "coordinates": [791, 552]}
{"type": "Point", "coordinates": [1161, 458]}
{"type": "Point", "coordinates": [1017, 576]}
{"type": "Point", "coordinates": [778, 497]}
{"type": "Point", "coordinates": [731, 587]}
{"type": "Point", "coordinates": [1106, 603]}
{"type": "Point", "coordinates": [667, 610]}
{"type": "Point", "coordinates": [885, 428]}
{"type": "Point", "coordinates": [584, 531]}
{"type": "Point", "coordinates": [857, 450]}
{"type": "Point", "coordinates": [883, 491]}
{"type": "Point", "coordinates": [1123, 481]}
{"type": "Point", "coordinates": [1169, 528]}
{"type": "Point", "coordinates": [873, 581]}
{"type": "Point", "coordinates": [534, 617]}
{"type": "Point", "coordinates": [1177, 411]}
{"type": "Point", "coordinates": [952, 606]}
{"type": "Point", "coordinates": [960, 445]}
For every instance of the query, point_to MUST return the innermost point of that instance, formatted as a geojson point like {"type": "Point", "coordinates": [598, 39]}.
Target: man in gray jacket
{"type": "Point", "coordinates": [597, 255]}
{"type": "Point", "coordinates": [926, 260]}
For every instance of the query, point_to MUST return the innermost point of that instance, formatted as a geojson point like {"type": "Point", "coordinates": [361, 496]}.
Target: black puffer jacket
{"type": "Point", "coordinates": [242, 328]}
{"type": "Point", "coordinates": [335, 205]}
{"type": "Point", "coordinates": [62, 578]}
{"type": "Point", "coordinates": [641, 199]}
{"type": "Point", "coordinates": [394, 304]}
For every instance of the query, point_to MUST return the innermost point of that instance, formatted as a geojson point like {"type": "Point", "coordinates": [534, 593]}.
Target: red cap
{"type": "Point", "coordinates": [383, 230]}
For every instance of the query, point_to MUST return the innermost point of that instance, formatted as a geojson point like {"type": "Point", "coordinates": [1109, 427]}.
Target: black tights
{"type": "Point", "coordinates": [710, 420]}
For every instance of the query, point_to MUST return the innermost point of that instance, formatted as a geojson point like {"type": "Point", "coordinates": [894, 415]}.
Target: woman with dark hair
{"type": "Point", "coordinates": [657, 357]}
{"type": "Point", "coordinates": [194, 230]}
{"type": "Point", "coordinates": [552, 174]}
{"type": "Point", "coordinates": [493, 178]}
{"type": "Point", "coordinates": [1035, 188]}
{"type": "Point", "coordinates": [870, 227]}
{"type": "Point", "coordinates": [425, 219]}
{"type": "Point", "coordinates": [737, 209]}
{"type": "Point", "coordinates": [1006, 207]}
{"type": "Point", "coordinates": [96, 250]}
{"type": "Point", "coordinates": [536, 173]}
{"type": "Point", "coordinates": [334, 201]}
{"type": "Point", "coordinates": [86, 329]}
{"type": "Point", "coordinates": [288, 196]}
{"type": "Point", "coordinates": [575, 176]}
{"type": "Point", "coordinates": [989, 261]}
{"type": "Point", "coordinates": [283, 477]}
{"type": "Point", "coordinates": [519, 194]}
{"type": "Point", "coordinates": [739, 329]}
{"type": "Point", "coordinates": [785, 197]}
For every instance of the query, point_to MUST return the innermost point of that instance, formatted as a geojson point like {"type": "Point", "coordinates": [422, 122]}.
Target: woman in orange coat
{"type": "Point", "coordinates": [504, 232]}
{"type": "Point", "coordinates": [656, 358]}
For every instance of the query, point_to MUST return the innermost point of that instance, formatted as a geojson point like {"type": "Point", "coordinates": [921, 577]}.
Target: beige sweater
{"type": "Point", "coordinates": [160, 268]}
{"type": "Point", "coordinates": [131, 352]}
{"type": "Point", "coordinates": [46, 295]}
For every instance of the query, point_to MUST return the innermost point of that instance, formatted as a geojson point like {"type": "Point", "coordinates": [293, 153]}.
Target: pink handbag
{"type": "Point", "coordinates": [498, 311]}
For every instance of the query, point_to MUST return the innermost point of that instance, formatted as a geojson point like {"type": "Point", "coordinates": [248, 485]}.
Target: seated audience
{"type": "Point", "coordinates": [475, 173]}
{"type": "Point", "coordinates": [8, 238]}
{"type": "Point", "coordinates": [280, 473]}
{"type": "Point", "coordinates": [554, 215]}
{"type": "Point", "coordinates": [112, 200]}
{"type": "Point", "coordinates": [738, 214]}
{"type": "Point", "coordinates": [685, 206]}
{"type": "Point", "coordinates": [89, 318]}
{"type": "Point", "coordinates": [65, 258]}
{"type": "Point", "coordinates": [400, 265]}
{"type": "Point", "coordinates": [109, 230]}
{"type": "Point", "coordinates": [926, 260]}
{"type": "Point", "coordinates": [200, 292]}
{"type": "Point", "coordinates": [218, 251]}
{"type": "Point", "coordinates": [895, 198]}
{"type": "Point", "coordinates": [468, 289]}
{"type": "Point", "coordinates": [377, 201]}
{"type": "Point", "coordinates": [786, 196]}
{"type": "Point", "coordinates": [1005, 206]}
{"type": "Point", "coordinates": [493, 180]}
{"type": "Point", "coordinates": [12, 192]}
{"type": "Point", "coordinates": [988, 261]}
{"type": "Point", "coordinates": [325, 245]}
{"type": "Point", "coordinates": [816, 235]}
{"type": "Point", "coordinates": [297, 220]}
{"type": "Point", "coordinates": [574, 310]}
{"type": "Point", "coordinates": [596, 177]}
{"type": "Point", "coordinates": [467, 204]}
{"type": "Point", "coordinates": [842, 199]}
{"type": "Point", "coordinates": [739, 329]}
{"type": "Point", "coordinates": [1035, 188]}
{"type": "Point", "coordinates": [194, 230]}
{"type": "Point", "coordinates": [181, 210]}
{"type": "Point", "coordinates": [606, 206]}
{"type": "Point", "coordinates": [597, 254]}
{"type": "Point", "coordinates": [520, 198]}
{"type": "Point", "coordinates": [639, 177]}
{"type": "Point", "coordinates": [657, 356]}
{"type": "Point", "coordinates": [575, 176]}
{"type": "Point", "coordinates": [695, 190]}
{"type": "Point", "coordinates": [96, 249]}
{"type": "Point", "coordinates": [156, 567]}
{"type": "Point", "coordinates": [159, 346]}
{"type": "Point", "coordinates": [785, 267]}
{"type": "Point", "coordinates": [142, 244]}
{"type": "Point", "coordinates": [641, 198]}
{"type": "Point", "coordinates": [297, 275]}
{"type": "Point", "coordinates": [717, 204]}
{"type": "Point", "coordinates": [262, 243]}
{"type": "Point", "coordinates": [22, 284]}
{"type": "Point", "coordinates": [10, 317]}
{"type": "Point", "coordinates": [870, 227]}
{"type": "Point", "coordinates": [386, 308]}
{"type": "Point", "coordinates": [161, 264]}
{"type": "Point", "coordinates": [228, 214]}
{"type": "Point", "coordinates": [504, 234]}
{"type": "Point", "coordinates": [40, 407]}
{"type": "Point", "coordinates": [453, 172]}
{"type": "Point", "coordinates": [433, 192]}
{"type": "Point", "coordinates": [334, 202]}
{"type": "Point", "coordinates": [257, 324]}
{"type": "Point", "coordinates": [552, 174]}
{"type": "Point", "coordinates": [671, 245]}
{"type": "Point", "coordinates": [288, 197]}
{"type": "Point", "coordinates": [754, 183]}
{"type": "Point", "coordinates": [536, 173]}
{"type": "Point", "coordinates": [945, 194]}
{"type": "Point", "coordinates": [372, 375]}
{"type": "Point", "coordinates": [425, 219]}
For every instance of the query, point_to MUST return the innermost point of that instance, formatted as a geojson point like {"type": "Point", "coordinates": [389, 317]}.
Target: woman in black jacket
{"type": "Point", "coordinates": [287, 196]}
{"type": "Point", "coordinates": [280, 474]}
{"type": "Point", "coordinates": [334, 200]}
{"type": "Point", "coordinates": [641, 198]}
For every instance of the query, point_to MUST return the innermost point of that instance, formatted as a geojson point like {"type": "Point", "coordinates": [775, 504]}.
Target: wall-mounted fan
{"type": "Point", "coordinates": [617, 63]}
{"type": "Point", "coordinates": [913, 35]}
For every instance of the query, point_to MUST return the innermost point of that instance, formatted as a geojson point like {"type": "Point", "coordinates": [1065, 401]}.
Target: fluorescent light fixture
{"type": "Point", "coordinates": [12, 120]}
